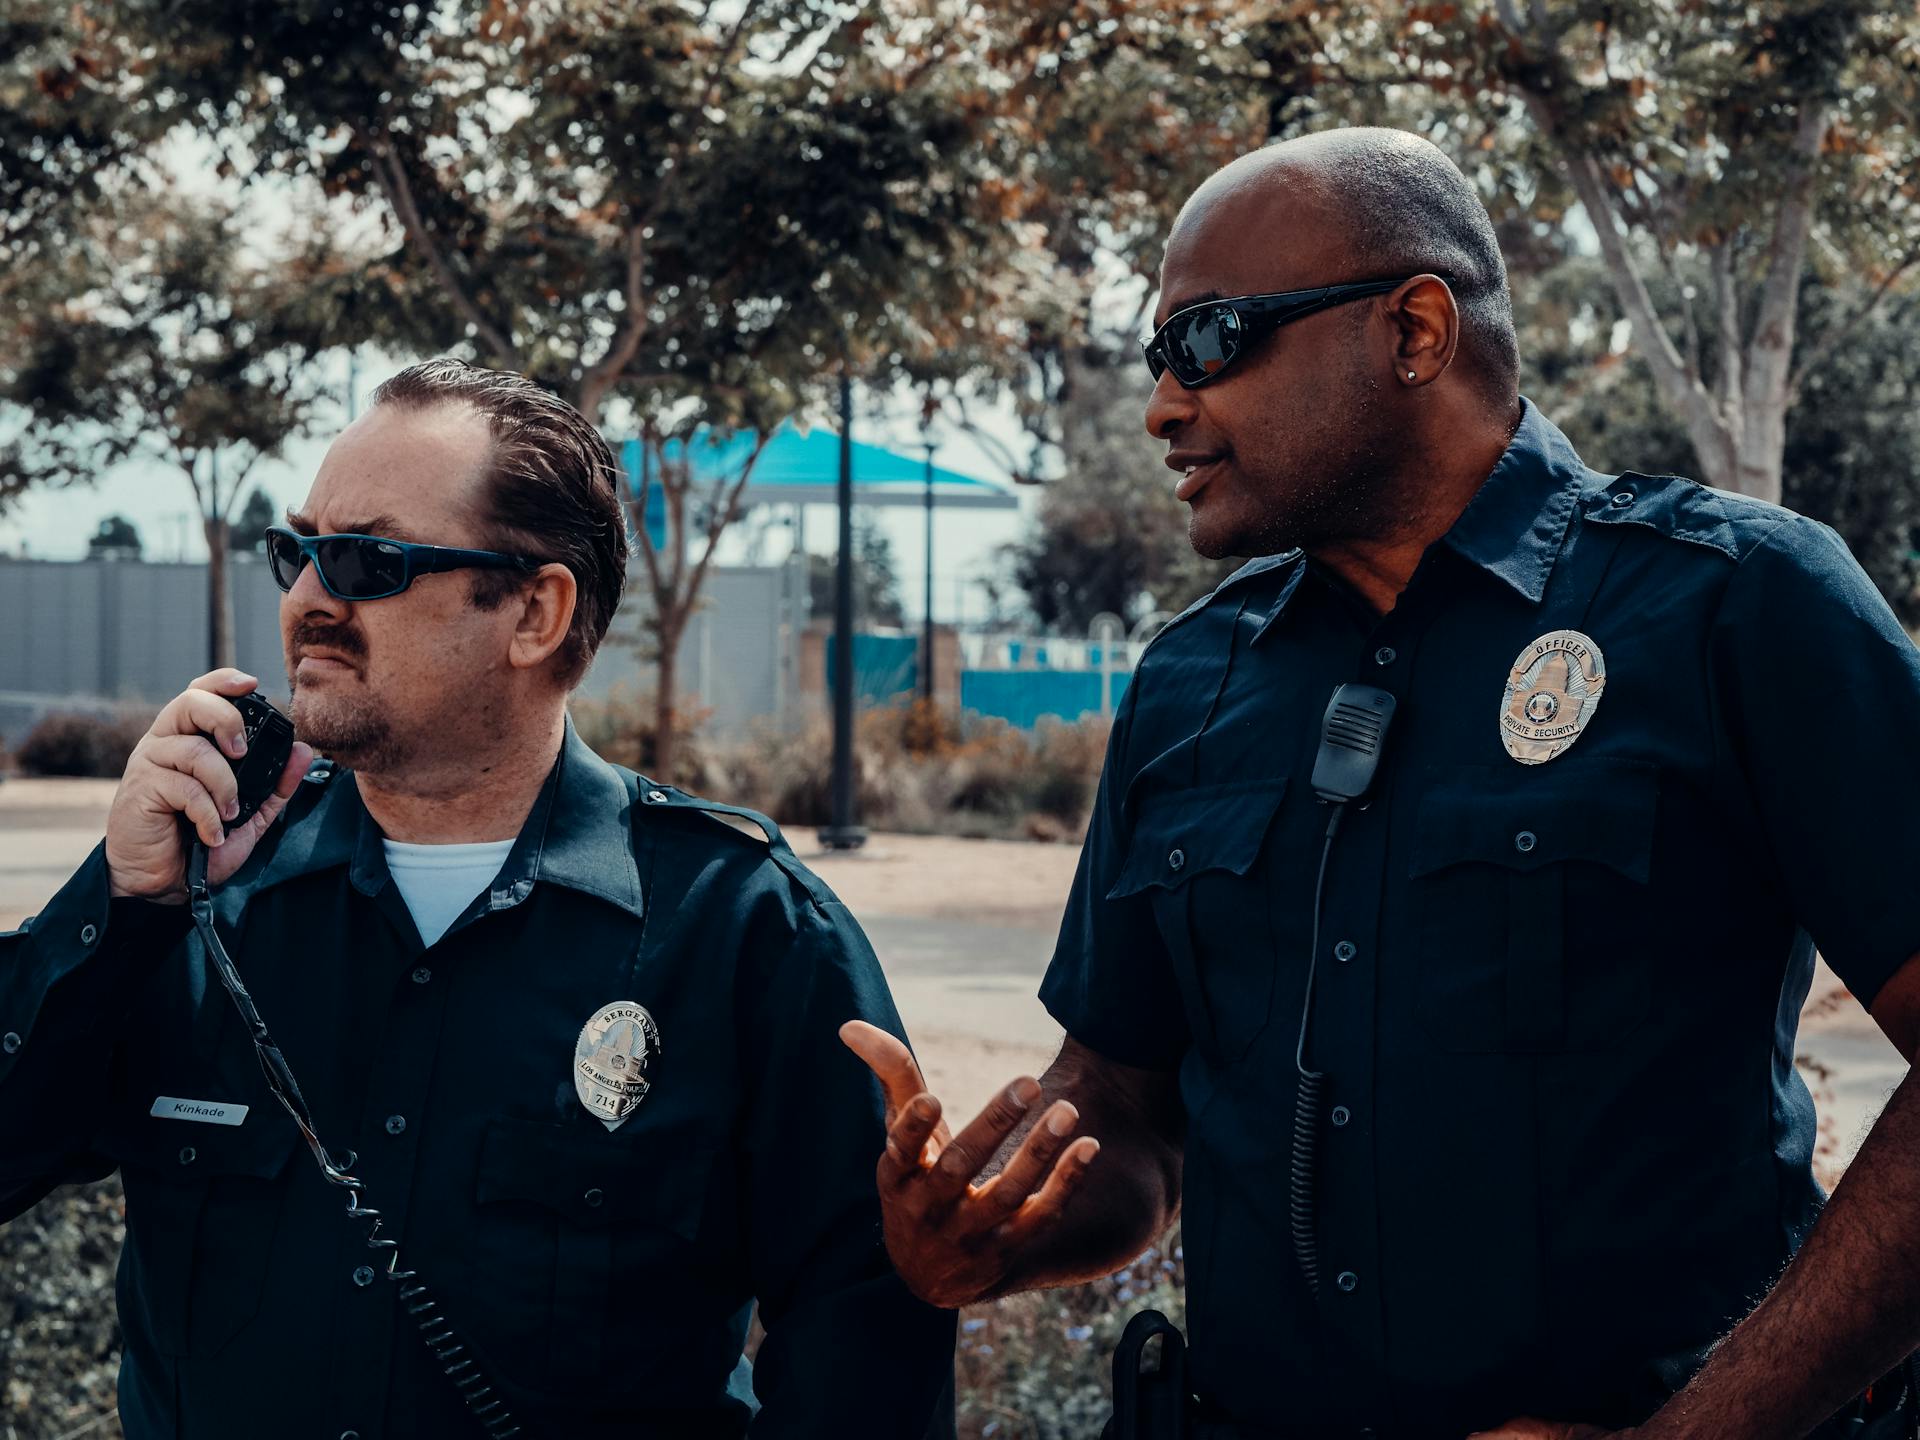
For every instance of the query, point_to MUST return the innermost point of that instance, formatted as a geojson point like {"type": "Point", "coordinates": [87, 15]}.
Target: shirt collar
{"type": "Point", "coordinates": [578, 834]}
{"type": "Point", "coordinates": [1516, 524]}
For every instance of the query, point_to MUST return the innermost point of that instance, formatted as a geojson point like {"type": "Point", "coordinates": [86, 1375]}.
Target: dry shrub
{"type": "Point", "coordinates": [620, 729]}
{"type": "Point", "coordinates": [90, 746]}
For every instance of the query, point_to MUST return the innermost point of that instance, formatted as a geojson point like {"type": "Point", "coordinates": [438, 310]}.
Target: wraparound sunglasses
{"type": "Point", "coordinates": [371, 567]}
{"type": "Point", "coordinates": [1201, 342]}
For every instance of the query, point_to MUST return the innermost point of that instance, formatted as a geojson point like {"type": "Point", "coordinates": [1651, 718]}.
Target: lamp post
{"type": "Point", "coordinates": [843, 834]}
{"type": "Point", "coordinates": [926, 619]}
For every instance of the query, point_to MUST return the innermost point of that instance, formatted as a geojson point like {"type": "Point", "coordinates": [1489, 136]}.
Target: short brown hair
{"type": "Point", "coordinates": [551, 491]}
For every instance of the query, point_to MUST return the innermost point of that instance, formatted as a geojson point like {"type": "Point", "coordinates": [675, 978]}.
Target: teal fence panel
{"type": "Point", "coordinates": [886, 669]}
{"type": "Point", "coordinates": [1023, 697]}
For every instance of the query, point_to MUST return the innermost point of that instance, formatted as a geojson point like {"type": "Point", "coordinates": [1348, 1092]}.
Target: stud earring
{"type": "Point", "coordinates": [1412, 376]}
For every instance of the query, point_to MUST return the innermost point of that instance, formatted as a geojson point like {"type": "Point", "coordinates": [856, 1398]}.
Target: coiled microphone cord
{"type": "Point", "coordinates": [1306, 1105]}
{"type": "Point", "coordinates": [455, 1360]}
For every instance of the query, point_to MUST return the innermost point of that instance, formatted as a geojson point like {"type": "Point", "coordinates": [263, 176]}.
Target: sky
{"type": "Point", "coordinates": [56, 524]}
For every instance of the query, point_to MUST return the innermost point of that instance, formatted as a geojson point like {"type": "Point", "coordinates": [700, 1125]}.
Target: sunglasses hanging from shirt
{"type": "Point", "coordinates": [269, 744]}
{"type": "Point", "coordinates": [372, 567]}
{"type": "Point", "coordinates": [1200, 343]}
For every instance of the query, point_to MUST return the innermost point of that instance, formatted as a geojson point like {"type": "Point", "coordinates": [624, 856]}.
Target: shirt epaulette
{"type": "Point", "coordinates": [1247, 572]}
{"type": "Point", "coordinates": [665, 797]}
{"type": "Point", "coordinates": [1686, 510]}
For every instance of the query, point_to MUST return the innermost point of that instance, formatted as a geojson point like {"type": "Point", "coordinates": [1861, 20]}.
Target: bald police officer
{"type": "Point", "coordinates": [575, 1033]}
{"type": "Point", "coordinates": [1475, 1094]}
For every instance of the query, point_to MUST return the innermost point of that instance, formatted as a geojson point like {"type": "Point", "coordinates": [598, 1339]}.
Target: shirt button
{"type": "Point", "coordinates": [594, 1197]}
{"type": "Point", "coordinates": [89, 934]}
{"type": "Point", "coordinates": [1622, 499]}
{"type": "Point", "coordinates": [1385, 655]}
{"type": "Point", "coordinates": [349, 1435]}
{"type": "Point", "coordinates": [188, 1155]}
{"type": "Point", "coordinates": [396, 1124]}
{"type": "Point", "coordinates": [422, 975]}
{"type": "Point", "coordinates": [10, 1042]}
{"type": "Point", "coordinates": [1177, 860]}
{"type": "Point", "coordinates": [1347, 1281]}
{"type": "Point", "coordinates": [1344, 951]}
{"type": "Point", "coordinates": [656, 797]}
{"type": "Point", "coordinates": [1524, 841]}
{"type": "Point", "coordinates": [363, 1276]}
{"type": "Point", "coordinates": [1341, 1115]}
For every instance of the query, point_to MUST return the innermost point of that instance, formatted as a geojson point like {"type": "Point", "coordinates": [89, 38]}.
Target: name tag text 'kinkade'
{"type": "Point", "coordinates": [207, 1112]}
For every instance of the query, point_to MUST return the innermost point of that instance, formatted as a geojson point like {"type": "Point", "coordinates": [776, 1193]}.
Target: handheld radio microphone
{"type": "Point", "coordinates": [1352, 736]}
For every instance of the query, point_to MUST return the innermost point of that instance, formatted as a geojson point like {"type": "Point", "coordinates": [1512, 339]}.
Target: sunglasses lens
{"type": "Point", "coordinates": [1202, 343]}
{"type": "Point", "coordinates": [361, 569]}
{"type": "Point", "coordinates": [284, 559]}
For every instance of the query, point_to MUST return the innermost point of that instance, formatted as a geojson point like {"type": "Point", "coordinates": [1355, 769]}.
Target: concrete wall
{"type": "Point", "coordinates": [78, 635]}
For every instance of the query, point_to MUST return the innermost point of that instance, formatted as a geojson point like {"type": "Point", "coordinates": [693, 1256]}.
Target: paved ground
{"type": "Point", "coordinates": [964, 929]}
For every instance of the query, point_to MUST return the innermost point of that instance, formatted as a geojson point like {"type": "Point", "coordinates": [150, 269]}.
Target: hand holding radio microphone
{"type": "Point", "coordinates": [195, 765]}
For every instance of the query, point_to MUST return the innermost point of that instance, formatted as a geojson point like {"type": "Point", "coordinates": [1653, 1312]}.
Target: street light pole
{"type": "Point", "coordinates": [926, 644]}
{"type": "Point", "coordinates": [843, 834]}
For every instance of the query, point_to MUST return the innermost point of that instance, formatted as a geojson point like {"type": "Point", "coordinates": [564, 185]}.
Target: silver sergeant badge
{"type": "Point", "coordinates": [1552, 692]}
{"type": "Point", "coordinates": [610, 1061]}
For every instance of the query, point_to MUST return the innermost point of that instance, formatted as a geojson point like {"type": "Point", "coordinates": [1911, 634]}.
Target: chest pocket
{"type": "Point", "coordinates": [1530, 888]}
{"type": "Point", "coordinates": [1195, 855]}
{"type": "Point", "coordinates": [579, 1226]}
{"type": "Point", "coordinates": [203, 1204]}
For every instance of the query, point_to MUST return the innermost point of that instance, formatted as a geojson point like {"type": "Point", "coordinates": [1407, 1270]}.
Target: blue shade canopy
{"type": "Point", "coordinates": [803, 468]}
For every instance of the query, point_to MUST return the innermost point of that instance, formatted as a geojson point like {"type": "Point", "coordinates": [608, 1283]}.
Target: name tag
{"type": "Point", "coordinates": [207, 1112]}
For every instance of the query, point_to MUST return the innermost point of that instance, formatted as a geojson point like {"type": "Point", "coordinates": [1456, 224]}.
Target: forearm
{"type": "Point", "coordinates": [1134, 1194]}
{"type": "Point", "coordinates": [1842, 1315]}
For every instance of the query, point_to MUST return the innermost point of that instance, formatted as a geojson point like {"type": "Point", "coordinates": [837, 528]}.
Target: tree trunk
{"type": "Point", "coordinates": [220, 647]}
{"type": "Point", "coordinates": [666, 715]}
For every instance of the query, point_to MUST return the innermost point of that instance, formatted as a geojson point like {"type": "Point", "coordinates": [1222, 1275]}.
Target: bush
{"type": "Point", "coordinates": [93, 746]}
{"type": "Point", "coordinates": [1039, 1366]}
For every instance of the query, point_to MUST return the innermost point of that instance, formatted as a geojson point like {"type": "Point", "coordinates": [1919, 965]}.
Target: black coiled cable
{"type": "Point", "coordinates": [455, 1360]}
{"type": "Point", "coordinates": [1306, 1104]}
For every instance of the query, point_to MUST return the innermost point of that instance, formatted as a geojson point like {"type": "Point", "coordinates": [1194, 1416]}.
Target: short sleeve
{"type": "Point", "coordinates": [1821, 691]}
{"type": "Point", "coordinates": [1111, 984]}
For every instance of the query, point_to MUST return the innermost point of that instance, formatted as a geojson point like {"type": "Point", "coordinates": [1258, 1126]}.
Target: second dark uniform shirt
{"type": "Point", "coordinates": [1566, 1147]}
{"type": "Point", "coordinates": [606, 1277]}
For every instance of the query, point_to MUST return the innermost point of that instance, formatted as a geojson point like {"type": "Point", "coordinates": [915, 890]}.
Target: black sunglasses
{"type": "Point", "coordinates": [371, 567]}
{"type": "Point", "coordinates": [1200, 342]}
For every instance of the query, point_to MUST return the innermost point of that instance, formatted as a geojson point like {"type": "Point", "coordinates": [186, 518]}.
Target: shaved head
{"type": "Point", "coordinates": [1396, 205]}
{"type": "Point", "coordinates": [1345, 425]}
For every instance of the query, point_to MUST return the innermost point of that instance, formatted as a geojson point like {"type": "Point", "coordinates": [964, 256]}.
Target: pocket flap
{"type": "Point", "coordinates": [594, 1180]}
{"type": "Point", "coordinates": [1524, 817]}
{"type": "Point", "coordinates": [1183, 833]}
{"type": "Point", "coordinates": [191, 1151]}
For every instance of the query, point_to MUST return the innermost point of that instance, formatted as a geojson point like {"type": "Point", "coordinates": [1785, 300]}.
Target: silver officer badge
{"type": "Point", "coordinates": [1552, 692]}
{"type": "Point", "coordinates": [610, 1061]}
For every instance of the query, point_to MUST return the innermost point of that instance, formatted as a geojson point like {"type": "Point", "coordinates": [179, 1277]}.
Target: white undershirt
{"type": "Point", "coordinates": [438, 881]}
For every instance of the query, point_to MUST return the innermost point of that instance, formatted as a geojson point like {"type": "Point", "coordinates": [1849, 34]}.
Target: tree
{"type": "Point", "coordinates": [1852, 456]}
{"type": "Point", "coordinates": [249, 531]}
{"type": "Point", "coordinates": [174, 342]}
{"type": "Point", "coordinates": [676, 216]}
{"type": "Point", "coordinates": [115, 539]}
{"type": "Point", "coordinates": [876, 584]}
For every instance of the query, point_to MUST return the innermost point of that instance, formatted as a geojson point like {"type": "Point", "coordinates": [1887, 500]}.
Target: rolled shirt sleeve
{"type": "Point", "coordinates": [1111, 983]}
{"type": "Point", "coordinates": [1821, 691]}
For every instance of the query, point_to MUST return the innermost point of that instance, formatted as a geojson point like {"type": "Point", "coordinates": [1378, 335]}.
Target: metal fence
{"type": "Point", "coordinates": [85, 634]}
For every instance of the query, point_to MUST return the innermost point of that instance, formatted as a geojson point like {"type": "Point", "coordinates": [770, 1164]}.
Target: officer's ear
{"type": "Point", "coordinates": [1426, 329]}
{"type": "Point", "coordinates": [543, 615]}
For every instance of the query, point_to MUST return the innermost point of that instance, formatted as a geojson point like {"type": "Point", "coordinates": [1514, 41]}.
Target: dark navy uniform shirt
{"type": "Point", "coordinates": [606, 1277]}
{"type": "Point", "coordinates": [1555, 1003]}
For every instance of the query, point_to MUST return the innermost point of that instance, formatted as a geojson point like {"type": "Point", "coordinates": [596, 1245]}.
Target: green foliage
{"type": "Point", "coordinates": [876, 584]}
{"type": "Point", "coordinates": [117, 537]}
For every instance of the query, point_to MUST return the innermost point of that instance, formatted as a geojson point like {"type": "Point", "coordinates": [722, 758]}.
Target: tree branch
{"type": "Point", "coordinates": [1727, 378]}
{"type": "Point", "coordinates": [722, 517]}
{"type": "Point", "coordinates": [399, 192]}
{"type": "Point", "coordinates": [600, 378]}
{"type": "Point", "coordinates": [1816, 355]}
{"type": "Point", "coordinates": [1770, 350]}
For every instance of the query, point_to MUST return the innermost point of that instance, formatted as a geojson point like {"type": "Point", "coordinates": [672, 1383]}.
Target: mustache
{"type": "Point", "coordinates": [342, 638]}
